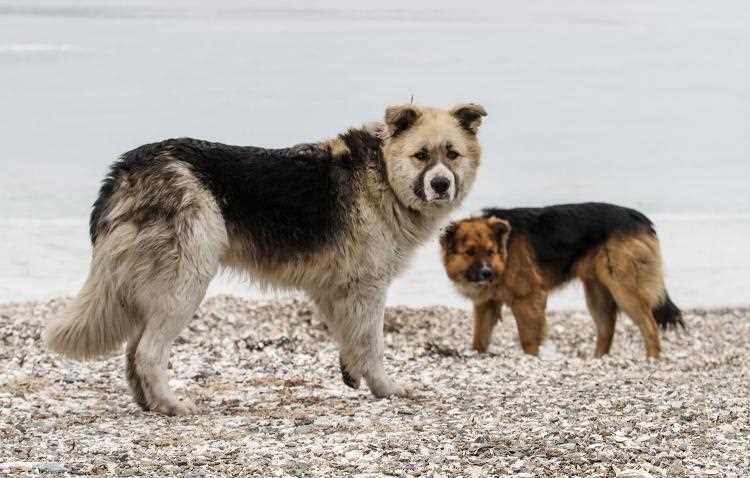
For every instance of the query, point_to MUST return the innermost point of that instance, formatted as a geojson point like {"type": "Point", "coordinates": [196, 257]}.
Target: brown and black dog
{"type": "Point", "coordinates": [518, 256]}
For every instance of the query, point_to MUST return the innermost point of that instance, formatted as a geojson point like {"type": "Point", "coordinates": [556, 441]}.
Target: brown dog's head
{"type": "Point", "coordinates": [475, 251]}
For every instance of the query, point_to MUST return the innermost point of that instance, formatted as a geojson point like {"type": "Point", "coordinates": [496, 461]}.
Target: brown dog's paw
{"type": "Point", "coordinates": [480, 347]}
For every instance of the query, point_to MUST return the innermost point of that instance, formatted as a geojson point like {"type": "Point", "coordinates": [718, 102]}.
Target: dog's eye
{"type": "Point", "coordinates": [470, 252]}
{"type": "Point", "coordinates": [422, 155]}
{"type": "Point", "coordinates": [452, 154]}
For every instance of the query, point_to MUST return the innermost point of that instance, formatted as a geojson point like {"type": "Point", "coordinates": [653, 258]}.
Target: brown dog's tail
{"type": "Point", "coordinates": [667, 314]}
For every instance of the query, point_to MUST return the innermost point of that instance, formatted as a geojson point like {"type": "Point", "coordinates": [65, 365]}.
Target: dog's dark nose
{"type": "Point", "coordinates": [440, 184]}
{"type": "Point", "coordinates": [479, 273]}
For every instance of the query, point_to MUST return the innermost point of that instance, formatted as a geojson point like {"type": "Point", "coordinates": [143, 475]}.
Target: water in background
{"type": "Point", "coordinates": [642, 103]}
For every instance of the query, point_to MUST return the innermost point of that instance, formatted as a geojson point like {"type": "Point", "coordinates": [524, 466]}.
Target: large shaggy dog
{"type": "Point", "coordinates": [337, 219]}
{"type": "Point", "coordinates": [518, 256]}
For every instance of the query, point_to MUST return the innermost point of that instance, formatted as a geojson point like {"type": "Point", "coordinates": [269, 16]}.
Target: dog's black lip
{"type": "Point", "coordinates": [482, 282]}
{"type": "Point", "coordinates": [442, 199]}
{"type": "Point", "coordinates": [438, 203]}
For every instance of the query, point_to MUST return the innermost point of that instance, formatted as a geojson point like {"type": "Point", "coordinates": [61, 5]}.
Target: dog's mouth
{"type": "Point", "coordinates": [442, 198]}
{"type": "Point", "coordinates": [481, 282]}
{"type": "Point", "coordinates": [430, 198]}
{"type": "Point", "coordinates": [438, 198]}
{"type": "Point", "coordinates": [468, 280]}
{"type": "Point", "coordinates": [474, 288]}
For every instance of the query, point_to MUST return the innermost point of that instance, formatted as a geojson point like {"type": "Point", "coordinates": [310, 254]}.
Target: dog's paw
{"type": "Point", "coordinates": [389, 388]}
{"type": "Point", "coordinates": [350, 380]}
{"type": "Point", "coordinates": [176, 408]}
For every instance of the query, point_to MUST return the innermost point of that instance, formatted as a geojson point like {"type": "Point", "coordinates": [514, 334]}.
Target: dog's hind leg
{"type": "Point", "coordinates": [164, 324]}
{"type": "Point", "coordinates": [167, 308]}
{"type": "Point", "coordinates": [640, 312]}
{"type": "Point", "coordinates": [630, 269]}
{"type": "Point", "coordinates": [133, 379]}
{"type": "Point", "coordinates": [603, 310]}
{"type": "Point", "coordinates": [486, 315]}
{"type": "Point", "coordinates": [170, 280]}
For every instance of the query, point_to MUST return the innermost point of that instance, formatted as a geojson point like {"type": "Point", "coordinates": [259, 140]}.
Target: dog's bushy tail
{"type": "Point", "coordinates": [667, 314]}
{"type": "Point", "coordinates": [95, 323]}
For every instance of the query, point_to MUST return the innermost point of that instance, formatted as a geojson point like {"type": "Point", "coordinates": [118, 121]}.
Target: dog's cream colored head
{"type": "Point", "coordinates": [432, 155]}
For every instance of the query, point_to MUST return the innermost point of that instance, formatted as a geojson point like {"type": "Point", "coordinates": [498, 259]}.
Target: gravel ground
{"type": "Point", "coordinates": [267, 377]}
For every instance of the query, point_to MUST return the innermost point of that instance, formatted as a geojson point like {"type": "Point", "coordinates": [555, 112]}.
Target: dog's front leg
{"type": "Point", "coordinates": [359, 320]}
{"type": "Point", "coordinates": [327, 312]}
{"type": "Point", "coordinates": [486, 315]}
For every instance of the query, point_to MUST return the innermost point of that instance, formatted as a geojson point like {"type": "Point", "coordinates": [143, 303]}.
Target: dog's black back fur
{"type": "Point", "coordinates": [560, 235]}
{"type": "Point", "coordinates": [289, 200]}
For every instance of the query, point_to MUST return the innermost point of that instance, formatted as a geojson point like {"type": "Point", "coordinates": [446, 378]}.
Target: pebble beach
{"type": "Point", "coordinates": [266, 377]}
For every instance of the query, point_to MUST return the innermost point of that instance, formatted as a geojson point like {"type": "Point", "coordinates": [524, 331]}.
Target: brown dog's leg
{"type": "Point", "coordinates": [630, 303]}
{"type": "Point", "coordinates": [603, 310]}
{"type": "Point", "coordinates": [532, 322]}
{"type": "Point", "coordinates": [631, 269]}
{"type": "Point", "coordinates": [645, 321]}
{"type": "Point", "coordinates": [486, 315]}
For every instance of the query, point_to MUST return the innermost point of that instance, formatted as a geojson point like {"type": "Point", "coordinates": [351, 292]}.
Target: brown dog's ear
{"type": "Point", "coordinates": [469, 116]}
{"type": "Point", "coordinates": [399, 118]}
{"type": "Point", "coordinates": [448, 237]}
{"type": "Point", "coordinates": [501, 231]}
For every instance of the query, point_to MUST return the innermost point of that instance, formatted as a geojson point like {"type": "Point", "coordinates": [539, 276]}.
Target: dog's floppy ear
{"type": "Point", "coordinates": [399, 118]}
{"type": "Point", "coordinates": [501, 231]}
{"type": "Point", "coordinates": [469, 116]}
{"type": "Point", "coordinates": [448, 237]}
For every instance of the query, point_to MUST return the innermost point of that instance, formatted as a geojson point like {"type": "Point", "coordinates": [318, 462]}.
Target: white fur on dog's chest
{"type": "Point", "coordinates": [379, 259]}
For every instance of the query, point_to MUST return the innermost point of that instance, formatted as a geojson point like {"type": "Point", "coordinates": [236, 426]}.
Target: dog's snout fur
{"type": "Point", "coordinates": [439, 183]}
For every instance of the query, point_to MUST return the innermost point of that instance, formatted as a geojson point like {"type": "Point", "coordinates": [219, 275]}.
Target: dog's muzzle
{"type": "Point", "coordinates": [439, 184]}
{"type": "Point", "coordinates": [480, 272]}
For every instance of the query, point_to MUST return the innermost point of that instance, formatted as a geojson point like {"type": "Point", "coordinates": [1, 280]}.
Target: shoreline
{"type": "Point", "coordinates": [46, 260]}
